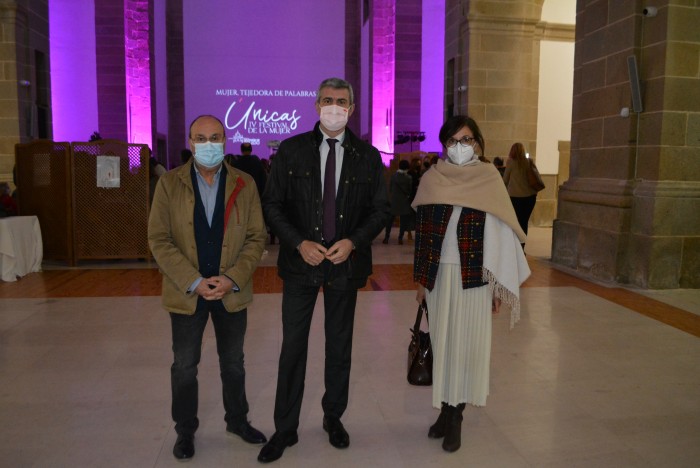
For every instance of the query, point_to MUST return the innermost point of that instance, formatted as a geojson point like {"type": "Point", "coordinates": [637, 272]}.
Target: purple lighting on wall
{"type": "Point", "coordinates": [138, 72]}
{"type": "Point", "coordinates": [383, 75]}
{"type": "Point", "coordinates": [73, 69]}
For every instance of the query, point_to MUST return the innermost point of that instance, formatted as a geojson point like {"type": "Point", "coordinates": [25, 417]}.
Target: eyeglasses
{"type": "Point", "coordinates": [464, 141]}
{"type": "Point", "coordinates": [215, 138]}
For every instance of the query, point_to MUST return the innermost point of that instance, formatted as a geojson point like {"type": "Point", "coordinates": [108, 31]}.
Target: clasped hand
{"type": "Point", "coordinates": [214, 288]}
{"type": "Point", "coordinates": [314, 253]}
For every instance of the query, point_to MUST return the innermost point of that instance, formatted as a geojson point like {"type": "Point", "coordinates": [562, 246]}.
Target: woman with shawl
{"type": "Point", "coordinates": [467, 261]}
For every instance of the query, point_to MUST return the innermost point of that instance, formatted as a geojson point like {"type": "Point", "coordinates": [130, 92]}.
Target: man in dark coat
{"type": "Point", "coordinates": [325, 240]}
{"type": "Point", "coordinates": [251, 164]}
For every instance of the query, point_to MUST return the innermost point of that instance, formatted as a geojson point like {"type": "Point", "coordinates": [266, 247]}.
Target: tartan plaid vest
{"type": "Point", "coordinates": [430, 232]}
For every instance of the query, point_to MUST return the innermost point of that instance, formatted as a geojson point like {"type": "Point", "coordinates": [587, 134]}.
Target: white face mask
{"type": "Point", "coordinates": [334, 117]}
{"type": "Point", "coordinates": [209, 154]}
{"type": "Point", "coordinates": [460, 154]}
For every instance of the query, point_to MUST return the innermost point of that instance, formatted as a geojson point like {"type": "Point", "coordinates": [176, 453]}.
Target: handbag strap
{"type": "Point", "coordinates": [419, 316]}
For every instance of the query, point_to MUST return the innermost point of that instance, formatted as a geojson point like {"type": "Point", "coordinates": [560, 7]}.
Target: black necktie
{"type": "Point", "coordinates": [329, 193]}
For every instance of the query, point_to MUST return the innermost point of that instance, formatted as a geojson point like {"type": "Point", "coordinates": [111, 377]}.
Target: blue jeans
{"type": "Point", "coordinates": [187, 349]}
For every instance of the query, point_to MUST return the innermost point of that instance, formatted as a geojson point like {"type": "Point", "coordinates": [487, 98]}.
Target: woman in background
{"type": "Point", "coordinates": [467, 260]}
{"type": "Point", "coordinates": [521, 194]}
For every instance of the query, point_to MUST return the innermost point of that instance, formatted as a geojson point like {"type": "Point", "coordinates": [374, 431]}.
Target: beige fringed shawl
{"type": "Point", "coordinates": [479, 186]}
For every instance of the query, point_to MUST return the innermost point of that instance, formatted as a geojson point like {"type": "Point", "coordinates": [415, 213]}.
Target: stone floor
{"type": "Point", "coordinates": [581, 381]}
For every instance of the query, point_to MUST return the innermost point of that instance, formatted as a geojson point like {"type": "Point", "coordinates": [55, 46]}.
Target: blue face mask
{"type": "Point", "coordinates": [209, 154]}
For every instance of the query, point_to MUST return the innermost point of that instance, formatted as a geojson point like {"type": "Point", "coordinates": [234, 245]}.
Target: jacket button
{"type": "Point", "coordinates": [341, 216]}
{"type": "Point", "coordinates": [290, 172]}
{"type": "Point", "coordinates": [316, 228]}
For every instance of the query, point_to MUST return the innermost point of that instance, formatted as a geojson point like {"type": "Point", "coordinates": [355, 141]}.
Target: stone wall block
{"type": "Point", "coordinates": [649, 125]}
{"type": "Point", "coordinates": [565, 243]}
{"type": "Point", "coordinates": [681, 164]}
{"type": "Point", "coordinates": [621, 160]}
{"type": "Point", "coordinates": [593, 46]}
{"type": "Point", "coordinates": [617, 131]}
{"type": "Point", "coordinates": [674, 128]}
{"type": "Point", "coordinates": [593, 75]}
{"type": "Point", "coordinates": [653, 95]}
{"type": "Point", "coordinates": [587, 133]}
{"type": "Point", "coordinates": [601, 217]}
{"type": "Point", "coordinates": [598, 253]}
{"type": "Point", "coordinates": [664, 267]}
{"type": "Point", "coordinates": [620, 9]}
{"type": "Point", "coordinates": [690, 265]}
{"type": "Point", "coordinates": [616, 68]}
{"type": "Point", "coordinates": [620, 36]}
{"type": "Point", "coordinates": [683, 59]}
{"type": "Point", "coordinates": [693, 130]}
{"type": "Point", "coordinates": [682, 94]}
{"type": "Point", "coordinates": [683, 23]}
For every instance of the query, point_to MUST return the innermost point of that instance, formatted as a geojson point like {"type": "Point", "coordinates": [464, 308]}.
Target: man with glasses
{"type": "Point", "coordinates": [326, 201]}
{"type": "Point", "coordinates": [206, 232]}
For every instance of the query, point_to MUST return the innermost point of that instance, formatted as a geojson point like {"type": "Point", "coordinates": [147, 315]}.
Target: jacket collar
{"type": "Point", "coordinates": [348, 140]}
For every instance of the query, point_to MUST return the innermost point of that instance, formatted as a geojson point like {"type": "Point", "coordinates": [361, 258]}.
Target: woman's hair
{"type": "Point", "coordinates": [517, 152]}
{"type": "Point", "coordinates": [455, 124]}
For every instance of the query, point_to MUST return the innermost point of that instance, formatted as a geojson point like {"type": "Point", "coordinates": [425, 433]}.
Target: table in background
{"type": "Point", "coordinates": [21, 250]}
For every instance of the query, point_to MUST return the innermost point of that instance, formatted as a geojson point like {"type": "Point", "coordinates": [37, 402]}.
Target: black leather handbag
{"type": "Point", "coordinates": [420, 352]}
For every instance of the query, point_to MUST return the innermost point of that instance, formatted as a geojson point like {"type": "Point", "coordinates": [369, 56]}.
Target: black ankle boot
{"type": "Point", "coordinates": [437, 430]}
{"type": "Point", "coordinates": [453, 428]}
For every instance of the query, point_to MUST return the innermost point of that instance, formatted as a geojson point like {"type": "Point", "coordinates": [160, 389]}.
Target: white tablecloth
{"type": "Point", "coordinates": [21, 250]}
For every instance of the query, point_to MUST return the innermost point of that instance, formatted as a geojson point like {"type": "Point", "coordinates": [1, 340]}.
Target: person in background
{"type": "Point", "coordinates": [400, 191]}
{"type": "Point", "coordinates": [207, 234]}
{"type": "Point", "coordinates": [8, 207]}
{"type": "Point", "coordinates": [326, 201]}
{"type": "Point", "coordinates": [498, 162]}
{"type": "Point", "coordinates": [467, 260]}
{"type": "Point", "coordinates": [521, 194]}
{"type": "Point", "coordinates": [185, 155]}
{"type": "Point", "coordinates": [250, 163]}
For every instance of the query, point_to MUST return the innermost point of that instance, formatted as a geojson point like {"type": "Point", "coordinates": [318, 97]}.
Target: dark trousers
{"type": "Point", "coordinates": [523, 209]}
{"type": "Point", "coordinates": [187, 348]}
{"type": "Point", "coordinates": [297, 310]}
{"type": "Point", "coordinates": [404, 225]}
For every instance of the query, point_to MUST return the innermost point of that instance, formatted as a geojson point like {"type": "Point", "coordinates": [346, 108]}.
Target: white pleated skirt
{"type": "Point", "coordinates": [460, 332]}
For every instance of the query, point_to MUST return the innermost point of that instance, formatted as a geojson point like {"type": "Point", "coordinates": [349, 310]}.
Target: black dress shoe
{"type": "Point", "coordinates": [274, 449]}
{"type": "Point", "coordinates": [248, 433]}
{"type": "Point", "coordinates": [184, 447]}
{"type": "Point", "coordinates": [337, 435]}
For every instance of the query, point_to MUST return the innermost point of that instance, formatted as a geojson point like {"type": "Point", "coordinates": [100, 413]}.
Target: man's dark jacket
{"type": "Point", "coordinates": [293, 207]}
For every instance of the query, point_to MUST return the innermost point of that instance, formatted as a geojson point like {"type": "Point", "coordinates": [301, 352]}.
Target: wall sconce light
{"type": "Point", "coordinates": [650, 11]}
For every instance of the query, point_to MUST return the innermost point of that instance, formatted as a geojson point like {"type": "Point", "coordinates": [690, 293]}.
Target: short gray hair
{"type": "Point", "coordinates": [335, 83]}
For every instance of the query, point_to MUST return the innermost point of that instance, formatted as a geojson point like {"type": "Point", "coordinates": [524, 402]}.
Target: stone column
{"type": "Point", "coordinates": [111, 69]}
{"type": "Point", "coordinates": [496, 67]}
{"type": "Point", "coordinates": [24, 85]}
{"type": "Point", "coordinates": [177, 127]}
{"type": "Point", "coordinates": [9, 93]}
{"type": "Point", "coordinates": [629, 211]}
{"type": "Point", "coordinates": [382, 72]}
